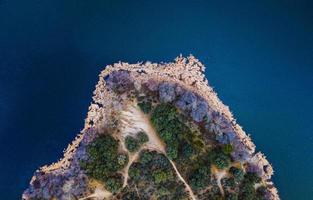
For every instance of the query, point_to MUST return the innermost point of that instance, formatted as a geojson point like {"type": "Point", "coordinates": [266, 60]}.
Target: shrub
{"type": "Point", "coordinates": [160, 161]}
{"type": "Point", "coordinates": [113, 184]}
{"type": "Point", "coordinates": [200, 178]}
{"type": "Point", "coordinates": [131, 143]}
{"type": "Point", "coordinates": [172, 151]}
{"type": "Point", "coordinates": [134, 171]}
{"type": "Point", "coordinates": [227, 149]}
{"type": "Point", "coordinates": [161, 176]}
{"type": "Point", "coordinates": [247, 190]}
{"type": "Point", "coordinates": [252, 178]}
{"type": "Point", "coordinates": [130, 195]}
{"type": "Point", "coordinates": [142, 137]}
{"type": "Point", "coordinates": [231, 196]}
{"type": "Point", "coordinates": [122, 159]}
{"type": "Point", "coordinates": [237, 173]}
{"type": "Point", "coordinates": [145, 157]}
{"type": "Point", "coordinates": [187, 150]}
{"type": "Point", "coordinates": [219, 158]}
{"type": "Point", "coordinates": [145, 106]}
{"type": "Point", "coordinates": [228, 182]}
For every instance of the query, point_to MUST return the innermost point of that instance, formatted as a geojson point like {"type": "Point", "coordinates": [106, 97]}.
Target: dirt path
{"type": "Point", "coordinates": [183, 180]}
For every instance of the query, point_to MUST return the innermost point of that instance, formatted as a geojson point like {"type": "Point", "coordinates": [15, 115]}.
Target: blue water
{"type": "Point", "coordinates": [259, 58]}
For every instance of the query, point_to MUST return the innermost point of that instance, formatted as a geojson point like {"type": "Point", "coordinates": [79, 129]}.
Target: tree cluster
{"type": "Point", "coordinates": [104, 161]}
{"type": "Point", "coordinates": [134, 143]}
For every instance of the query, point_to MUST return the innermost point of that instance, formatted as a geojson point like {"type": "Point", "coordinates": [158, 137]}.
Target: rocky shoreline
{"type": "Point", "coordinates": [184, 77]}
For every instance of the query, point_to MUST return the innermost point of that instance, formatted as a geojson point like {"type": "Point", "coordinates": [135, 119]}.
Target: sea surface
{"type": "Point", "coordinates": [259, 59]}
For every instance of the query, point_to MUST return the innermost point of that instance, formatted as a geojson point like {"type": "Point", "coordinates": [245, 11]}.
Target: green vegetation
{"type": "Point", "coordinates": [220, 159]}
{"type": "Point", "coordinates": [161, 176]}
{"type": "Point", "coordinates": [145, 106]}
{"type": "Point", "coordinates": [133, 144]}
{"type": "Point", "coordinates": [142, 137]}
{"type": "Point", "coordinates": [227, 149]}
{"type": "Point", "coordinates": [154, 176]}
{"type": "Point", "coordinates": [231, 196]}
{"type": "Point", "coordinates": [104, 161]}
{"type": "Point", "coordinates": [173, 131]}
{"type": "Point", "coordinates": [247, 190]}
{"type": "Point", "coordinates": [237, 173]}
{"type": "Point", "coordinates": [114, 183]}
{"type": "Point", "coordinates": [200, 178]}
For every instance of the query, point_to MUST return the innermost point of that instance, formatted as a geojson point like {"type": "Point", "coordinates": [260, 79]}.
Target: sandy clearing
{"type": "Point", "coordinates": [133, 121]}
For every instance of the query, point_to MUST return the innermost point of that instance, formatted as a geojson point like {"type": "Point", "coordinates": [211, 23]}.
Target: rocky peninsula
{"type": "Point", "coordinates": [157, 131]}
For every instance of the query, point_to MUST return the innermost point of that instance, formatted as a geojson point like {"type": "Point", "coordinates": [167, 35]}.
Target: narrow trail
{"type": "Point", "coordinates": [183, 180]}
{"type": "Point", "coordinates": [132, 158]}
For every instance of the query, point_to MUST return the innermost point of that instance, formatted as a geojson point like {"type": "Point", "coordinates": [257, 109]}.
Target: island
{"type": "Point", "coordinates": [157, 131]}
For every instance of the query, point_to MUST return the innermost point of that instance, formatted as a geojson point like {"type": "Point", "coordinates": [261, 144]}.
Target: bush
{"type": "Point", "coordinates": [237, 173]}
{"type": "Point", "coordinates": [228, 182]}
{"type": "Point", "coordinates": [131, 143]}
{"type": "Point", "coordinates": [145, 106]}
{"type": "Point", "coordinates": [219, 158]}
{"type": "Point", "coordinates": [145, 157]}
{"type": "Point", "coordinates": [113, 184]}
{"type": "Point", "coordinates": [161, 176]}
{"type": "Point", "coordinates": [142, 137]}
{"type": "Point", "coordinates": [200, 178]}
{"type": "Point", "coordinates": [122, 159]}
{"type": "Point", "coordinates": [187, 150]}
{"type": "Point", "coordinates": [231, 196]}
{"type": "Point", "coordinates": [172, 151]}
{"type": "Point", "coordinates": [227, 149]}
{"type": "Point", "coordinates": [247, 190]}
{"type": "Point", "coordinates": [252, 178]}
{"type": "Point", "coordinates": [134, 171]}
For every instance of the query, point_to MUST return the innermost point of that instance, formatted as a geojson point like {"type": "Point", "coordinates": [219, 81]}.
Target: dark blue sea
{"type": "Point", "coordinates": [258, 54]}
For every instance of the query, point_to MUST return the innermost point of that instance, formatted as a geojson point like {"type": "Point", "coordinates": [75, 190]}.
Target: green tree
{"type": "Point", "coordinates": [113, 184]}
{"type": "Point", "coordinates": [103, 158]}
{"type": "Point", "coordinates": [200, 178]}
{"type": "Point", "coordinates": [145, 106]}
{"type": "Point", "coordinates": [131, 143]}
{"type": "Point", "coordinates": [142, 137]}
{"type": "Point", "coordinates": [237, 173]}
